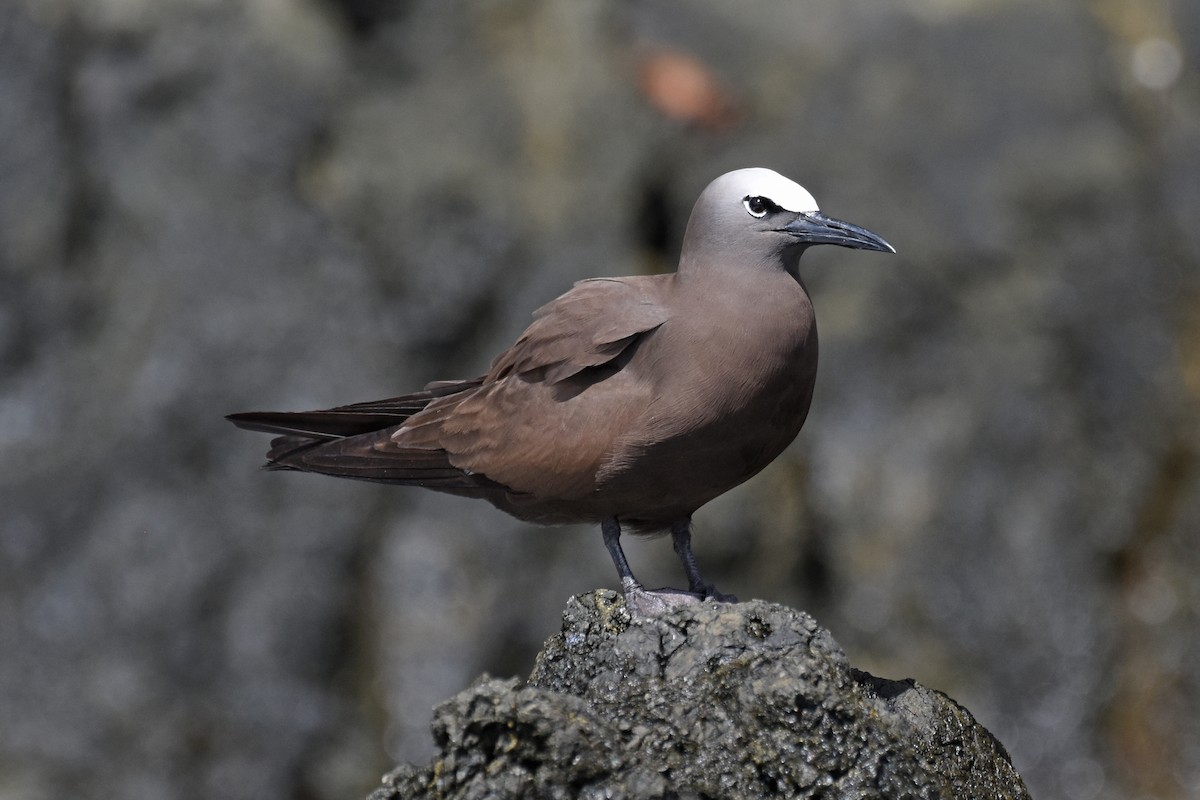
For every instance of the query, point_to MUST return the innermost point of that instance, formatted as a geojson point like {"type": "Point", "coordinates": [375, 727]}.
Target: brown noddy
{"type": "Point", "coordinates": [628, 402]}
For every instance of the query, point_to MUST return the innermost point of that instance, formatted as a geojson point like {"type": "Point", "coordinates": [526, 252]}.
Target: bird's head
{"type": "Point", "coordinates": [757, 215]}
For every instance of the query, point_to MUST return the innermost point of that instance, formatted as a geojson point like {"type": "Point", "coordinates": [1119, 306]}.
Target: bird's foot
{"type": "Point", "coordinates": [643, 602]}
{"type": "Point", "coordinates": [652, 603]}
{"type": "Point", "coordinates": [709, 592]}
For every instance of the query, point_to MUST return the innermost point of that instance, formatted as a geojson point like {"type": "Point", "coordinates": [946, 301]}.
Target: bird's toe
{"type": "Point", "coordinates": [652, 603]}
{"type": "Point", "coordinates": [710, 593]}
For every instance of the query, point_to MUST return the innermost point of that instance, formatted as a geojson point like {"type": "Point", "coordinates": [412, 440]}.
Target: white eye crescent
{"type": "Point", "coordinates": [758, 206]}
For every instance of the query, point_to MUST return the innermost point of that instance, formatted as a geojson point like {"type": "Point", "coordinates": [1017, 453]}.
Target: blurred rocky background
{"type": "Point", "coordinates": [212, 206]}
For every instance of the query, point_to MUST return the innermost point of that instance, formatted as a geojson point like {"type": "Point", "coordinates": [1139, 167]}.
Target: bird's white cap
{"type": "Point", "coordinates": [762, 182]}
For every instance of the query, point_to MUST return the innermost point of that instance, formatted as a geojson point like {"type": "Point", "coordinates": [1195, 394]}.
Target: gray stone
{"type": "Point", "coordinates": [708, 700]}
{"type": "Point", "coordinates": [209, 207]}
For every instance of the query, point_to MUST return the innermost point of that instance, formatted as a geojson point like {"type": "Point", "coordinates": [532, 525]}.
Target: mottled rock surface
{"type": "Point", "coordinates": [743, 700]}
{"type": "Point", "coordinates": [209, 207]}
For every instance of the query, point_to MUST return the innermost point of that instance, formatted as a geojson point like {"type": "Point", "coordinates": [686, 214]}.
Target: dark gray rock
{"type": "Point", "coordinates": [746, 700]}
{"type": "Point", "coordinates": [210, 207]}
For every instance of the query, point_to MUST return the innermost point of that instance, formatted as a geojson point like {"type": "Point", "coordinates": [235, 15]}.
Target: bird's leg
{"type": "Point", "coordinates": [681, 538]}
{"type": "Point", "coordinates": [639, 601]}
{"type": "Point", "coordinates": [611, 529]}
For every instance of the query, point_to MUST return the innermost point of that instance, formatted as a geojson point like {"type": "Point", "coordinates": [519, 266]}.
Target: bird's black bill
{"type": "Point", "coordinates": [813, 227]}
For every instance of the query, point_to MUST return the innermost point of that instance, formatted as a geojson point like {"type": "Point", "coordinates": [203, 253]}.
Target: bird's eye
{"type": "Point", "coordinates": [758, 206]}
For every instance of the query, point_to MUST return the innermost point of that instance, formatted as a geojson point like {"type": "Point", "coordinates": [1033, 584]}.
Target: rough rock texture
{"type": "Point", "coordinates": [214, 206]}
{"type": "Point", "coordinates": [746, 700]}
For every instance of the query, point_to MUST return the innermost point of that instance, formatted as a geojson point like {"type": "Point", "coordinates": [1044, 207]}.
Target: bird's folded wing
{"type": "Point", "coordinates": [589, 326]}
{"type": "Point", "coordinates": [351, 420]}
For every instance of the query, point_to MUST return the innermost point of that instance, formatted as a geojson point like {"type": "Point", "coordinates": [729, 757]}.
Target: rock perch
{"type": "Point", "coordinates": [705, 701]}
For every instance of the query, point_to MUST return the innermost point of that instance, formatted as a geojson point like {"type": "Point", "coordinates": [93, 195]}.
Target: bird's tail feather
{"type": "Point", "coordinates": [367, 457]}
{"type": "Point", "coordinates": [355, 442]}
{"type": "Point", "coordinates": [352, 420]}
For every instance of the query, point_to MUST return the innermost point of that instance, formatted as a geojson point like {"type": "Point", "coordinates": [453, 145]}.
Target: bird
{"type": "Point", "coordinates": [628, 402]}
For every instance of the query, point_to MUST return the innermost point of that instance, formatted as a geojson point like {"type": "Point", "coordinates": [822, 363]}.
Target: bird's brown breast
{"type": "Point", "coordinates": [737, 395]}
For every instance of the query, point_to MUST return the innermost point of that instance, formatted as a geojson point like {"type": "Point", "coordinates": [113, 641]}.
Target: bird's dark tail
{"type": "Point", "coordinates": [342, 441]}
{"type": "Point", "coordinates": [343, 421]}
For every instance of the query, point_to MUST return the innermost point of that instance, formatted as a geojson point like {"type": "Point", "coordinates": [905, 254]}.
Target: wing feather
{"type": "Point", "coordinates": [589, 326]}
{"type": "Point", "coordinates": [540, 422]}
{"type": "Point", "coordinates": [342, 421]}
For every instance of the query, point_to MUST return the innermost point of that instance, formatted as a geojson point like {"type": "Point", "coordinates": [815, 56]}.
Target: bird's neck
{"type": "Point", "coordinates": [750, 305]}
